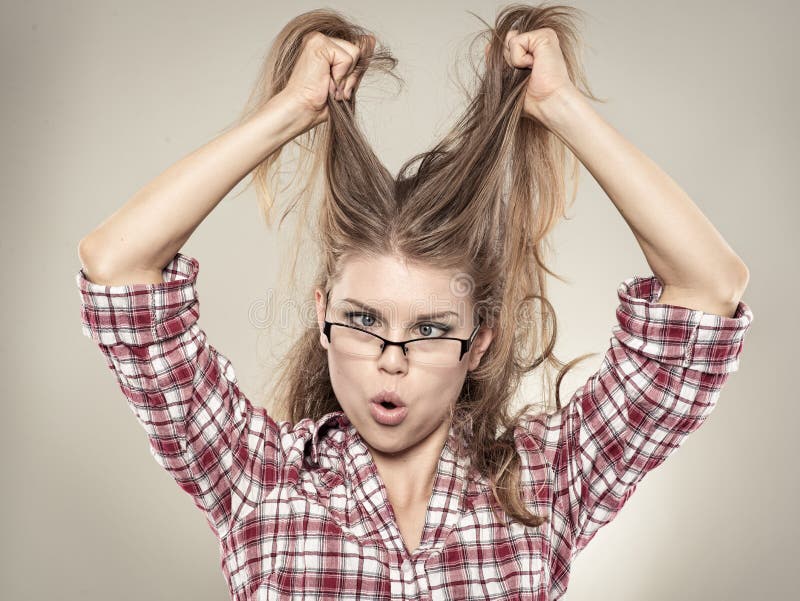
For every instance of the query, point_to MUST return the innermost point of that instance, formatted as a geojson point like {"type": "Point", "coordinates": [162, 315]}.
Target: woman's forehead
{"type": "Point", "coordinates": [391, 280]}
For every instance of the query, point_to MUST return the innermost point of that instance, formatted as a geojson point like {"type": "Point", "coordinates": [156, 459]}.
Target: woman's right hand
{"type": "Point", "coordinates": [325, 65]}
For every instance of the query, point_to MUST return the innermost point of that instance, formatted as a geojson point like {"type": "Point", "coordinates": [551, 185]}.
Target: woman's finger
{"type": "Point", "coordinates": [340, 71]}
{"type": "Point", "coordinates": [355, 79]}
{"type": "Point", "coordinates": [507, 49]}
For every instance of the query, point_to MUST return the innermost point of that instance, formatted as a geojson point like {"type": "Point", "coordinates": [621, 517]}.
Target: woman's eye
{"type": "Point", "coordinates": [426, 330]}
{"type": "Point", "coordinates": [355, 317]}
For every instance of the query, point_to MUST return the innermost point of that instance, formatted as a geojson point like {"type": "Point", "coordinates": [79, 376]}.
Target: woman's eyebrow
{"type": "Point", "coordinates": [377, 312]}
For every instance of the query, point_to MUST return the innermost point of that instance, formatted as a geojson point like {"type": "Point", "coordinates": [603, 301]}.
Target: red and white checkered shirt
{"type": "Point", "coordinates": [301, 512]}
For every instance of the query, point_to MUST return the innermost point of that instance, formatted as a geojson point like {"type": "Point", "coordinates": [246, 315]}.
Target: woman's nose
{"type": "Point", "coordinates": [392, 358]}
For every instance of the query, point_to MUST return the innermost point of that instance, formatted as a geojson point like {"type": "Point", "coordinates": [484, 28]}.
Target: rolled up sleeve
{"type": "Point", "coordinates": [219, 448]}
{"type": "Point", "coordinates": [659, 379]}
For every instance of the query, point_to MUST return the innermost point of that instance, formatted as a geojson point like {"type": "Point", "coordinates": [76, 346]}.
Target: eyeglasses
{"type": "Point", "coordinates": [442, 351]}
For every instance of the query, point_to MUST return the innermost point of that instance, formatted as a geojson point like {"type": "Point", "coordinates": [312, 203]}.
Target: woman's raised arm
{"type": "Point", "coordinates": [136, 242]}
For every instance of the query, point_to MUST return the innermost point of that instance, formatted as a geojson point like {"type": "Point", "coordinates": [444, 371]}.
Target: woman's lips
{"type": "Point", "coordinates": [390, 396]}
{"type": "Point", "coordinates": [386, 416]}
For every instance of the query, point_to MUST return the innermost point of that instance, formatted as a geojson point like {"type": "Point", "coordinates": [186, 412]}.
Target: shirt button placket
{"type": "Point", "coordinates": [409, 578]}
{"type": "Point", "coordinates": [422, 578]}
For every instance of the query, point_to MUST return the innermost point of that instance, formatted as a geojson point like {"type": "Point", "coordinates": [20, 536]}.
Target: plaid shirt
{"type": "Point", "coordinates": [301, 512]}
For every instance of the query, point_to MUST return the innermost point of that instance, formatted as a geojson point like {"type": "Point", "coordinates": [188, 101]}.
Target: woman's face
{"type": "Point", "coordinates": [399, 296]}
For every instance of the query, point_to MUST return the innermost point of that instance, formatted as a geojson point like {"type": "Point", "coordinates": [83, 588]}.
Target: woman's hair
{"type": "Point", "coordinates": [481, 202]}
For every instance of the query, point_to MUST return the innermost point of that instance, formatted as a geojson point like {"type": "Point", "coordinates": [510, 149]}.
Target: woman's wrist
{"type": "Point", "coordinates": [288, 116]}
{"type": "Point", "coordinates": [558, 111]}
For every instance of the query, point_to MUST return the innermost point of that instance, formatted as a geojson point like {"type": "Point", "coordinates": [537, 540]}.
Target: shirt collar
{"type": "Point", "coordinates": [335, 419]}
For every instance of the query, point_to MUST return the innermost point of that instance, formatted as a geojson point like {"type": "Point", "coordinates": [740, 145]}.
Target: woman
{"type": "Point", "coordinates": [400, 469]}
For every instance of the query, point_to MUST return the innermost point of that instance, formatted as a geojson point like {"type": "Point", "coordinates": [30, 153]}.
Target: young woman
{"type": "Point", "coordinates": [399, 470]}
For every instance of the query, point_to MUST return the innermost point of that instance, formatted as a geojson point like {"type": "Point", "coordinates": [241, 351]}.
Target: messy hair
{"type": "Point", "coordinates": [481, 202]}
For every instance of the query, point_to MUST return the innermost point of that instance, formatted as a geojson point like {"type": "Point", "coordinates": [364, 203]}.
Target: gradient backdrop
{"type": "Point", "coordinates": [98, 98]}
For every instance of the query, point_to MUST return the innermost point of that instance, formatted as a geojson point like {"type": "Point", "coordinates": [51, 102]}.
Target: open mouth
{"type": "Point", "coordinates": [387, 413]}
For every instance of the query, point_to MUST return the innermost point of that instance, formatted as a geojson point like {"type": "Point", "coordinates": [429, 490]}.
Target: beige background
{"type": "Point", "coordinates": [100, 97]}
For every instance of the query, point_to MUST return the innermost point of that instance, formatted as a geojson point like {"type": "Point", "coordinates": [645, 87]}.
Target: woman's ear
{"type": "Point", "coordinates": [479, 346]}
{"type": "Point", "coordinates": [319, 298]}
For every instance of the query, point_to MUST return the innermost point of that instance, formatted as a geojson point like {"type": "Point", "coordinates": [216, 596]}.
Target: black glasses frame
{"type": "Point", "coordinates": [466, 343]}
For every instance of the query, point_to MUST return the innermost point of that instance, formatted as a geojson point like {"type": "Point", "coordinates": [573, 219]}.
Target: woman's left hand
{"type": "Point", "coordinates": [539, 51]}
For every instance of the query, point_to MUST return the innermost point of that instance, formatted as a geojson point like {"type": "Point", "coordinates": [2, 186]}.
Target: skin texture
{"type": "Point", "coordinates": [405, 455]}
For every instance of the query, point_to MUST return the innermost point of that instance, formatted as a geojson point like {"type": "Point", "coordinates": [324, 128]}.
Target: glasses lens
{"type": "Point", "coordinates": [444, 353]}
{"type": "Point", "coordinates": [354, 342]}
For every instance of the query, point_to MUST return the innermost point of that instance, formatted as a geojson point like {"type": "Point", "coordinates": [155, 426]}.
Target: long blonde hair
{"type": "Point", "coordinates": [481, 201]}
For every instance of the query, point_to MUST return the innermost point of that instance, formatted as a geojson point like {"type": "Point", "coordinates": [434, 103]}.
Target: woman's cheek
{"type": "Point", "coordinates": [347, 381]}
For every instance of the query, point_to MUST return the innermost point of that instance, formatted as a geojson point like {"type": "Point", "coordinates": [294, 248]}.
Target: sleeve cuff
{"type": "Point", "coordinates": [677, 335]}
{"type": "Point", "coordinates": [141, 314]}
